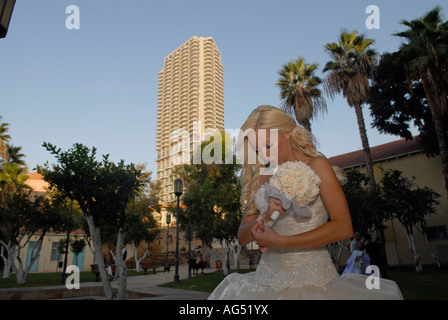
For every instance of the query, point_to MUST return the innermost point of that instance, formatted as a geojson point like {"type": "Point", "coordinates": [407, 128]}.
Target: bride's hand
{"type": "Point", "coordinates": [259, 228]}
{"type": "Point", "coordinates": [264, 236]}
{"type": "Point", "coordinates": [274, 205]}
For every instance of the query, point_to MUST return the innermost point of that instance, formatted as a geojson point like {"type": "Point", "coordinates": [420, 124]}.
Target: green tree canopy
{"type": "Point", "coordinates": [102, 189]}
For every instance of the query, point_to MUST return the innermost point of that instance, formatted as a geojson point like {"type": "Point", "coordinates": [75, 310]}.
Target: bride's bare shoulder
{"type": "Point", "coordinates": [321, 165]}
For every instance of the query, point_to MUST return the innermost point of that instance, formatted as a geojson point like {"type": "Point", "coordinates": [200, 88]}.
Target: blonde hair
{"type": "Point", "coordinates": [268, 117]}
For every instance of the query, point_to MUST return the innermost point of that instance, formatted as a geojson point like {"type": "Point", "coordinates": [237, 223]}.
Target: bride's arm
{"type": "Point", "coordinates": [338, 228]}
{"type": "Point", "coordinates": [244, 232]}
{"type": "Point", "coordinates": [249, 221]}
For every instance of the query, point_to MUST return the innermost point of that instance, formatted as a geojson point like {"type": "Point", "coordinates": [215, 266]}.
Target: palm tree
{"type": "Point", "coordinates": [349, 72]}
{"type": "Point", "coordinates": [4, 138]}
{"type": "Point", "coordinates": [299, 91]}
{"type": "Point", "coordinates": [15, 155]}
{"type": "Point", "coordinates": [426, 51]}
{"type": "Point", "coordinates": [12, 178]}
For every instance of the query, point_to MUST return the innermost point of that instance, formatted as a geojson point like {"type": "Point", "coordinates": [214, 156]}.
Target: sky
{"type": "Point", "coordinates": [97, 85]}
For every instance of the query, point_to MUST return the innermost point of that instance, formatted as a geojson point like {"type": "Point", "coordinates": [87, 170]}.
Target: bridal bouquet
{"type": "Point", "coordinates": [296, 185]}
{"type": "Point", "coordinates": [297, 181]}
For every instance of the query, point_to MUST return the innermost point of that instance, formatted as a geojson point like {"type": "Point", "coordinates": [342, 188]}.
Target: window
{"type": "Point", "coordinates": [437, 233]}
{"type": "Point", "coordinates": [55, 255]}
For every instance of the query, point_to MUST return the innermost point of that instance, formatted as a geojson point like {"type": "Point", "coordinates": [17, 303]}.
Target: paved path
{"type": "Point", "coordinates": [149, 284]}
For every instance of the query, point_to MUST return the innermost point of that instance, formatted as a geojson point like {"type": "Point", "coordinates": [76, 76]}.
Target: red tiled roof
{"type": "Point", "coordinates": [385, 151]}
{"type": "Point", "coordinates": [35, 176]}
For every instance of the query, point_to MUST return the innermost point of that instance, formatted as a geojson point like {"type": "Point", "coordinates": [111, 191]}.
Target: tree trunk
{"type": "Point", "coordinates": [121, 267]}
{"type": "Point", "coordinates": [21, 270]}
{"type": "Point", "coordinates": [436, 94]}
{"type": "Point", "coordinates": [223, 258]}
{"type": "Point", "coordinates": [417, 260]}
{"type": "Point", "coordinates": [99, 258]}
{"type": "Point", "coordinates": [306, 124]}
{"type": "Point", "coordinates": [365, 147]}
{"type": "Point", "coordinates": [371, 174]}
{"type": "Point", "coordinates": [236, 254]}
{"type": "Point", "coordinates": [7, 261]}
{"type": "Point", "coordinates": [18, 269]}
{"type": "Point", "coordinates": [443, 149]}
{"type": "Point", "coordinates": [137, 261]}
{"type": "Point", "coordinates": [430, 251]}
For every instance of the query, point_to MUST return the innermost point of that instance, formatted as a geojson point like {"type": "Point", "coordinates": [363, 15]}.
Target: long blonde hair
{"type": "Point", "coordinates": [268, 117]}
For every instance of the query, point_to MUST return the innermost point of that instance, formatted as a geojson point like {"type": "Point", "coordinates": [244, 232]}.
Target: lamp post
{"type": "Point", "coordinates": [178, 186]}
{"type": "Point", "coordinates": [6, 8]}
{"type": "Point", "coordinates": [168, 221]}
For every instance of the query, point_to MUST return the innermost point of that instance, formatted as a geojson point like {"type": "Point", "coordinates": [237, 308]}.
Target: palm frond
{"type": "Point", "coordinates": [299, 90]}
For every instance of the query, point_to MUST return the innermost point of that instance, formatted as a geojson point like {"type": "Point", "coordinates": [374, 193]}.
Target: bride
{"type": "Point", "coordinates": [295, 263]}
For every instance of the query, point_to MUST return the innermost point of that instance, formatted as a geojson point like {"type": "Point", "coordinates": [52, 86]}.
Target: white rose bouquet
{"type": "Point", "coordinates": [296, 185]}
{"type": "Point", "coordinates": [297, 181]}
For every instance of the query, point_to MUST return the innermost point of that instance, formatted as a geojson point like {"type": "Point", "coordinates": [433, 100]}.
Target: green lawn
{"type": "Point", "coordinates": [51, 279]}
{"type": "Point", "coordinates": [203, 282]}
{"type": "Point", "coordinates": [431, 284]}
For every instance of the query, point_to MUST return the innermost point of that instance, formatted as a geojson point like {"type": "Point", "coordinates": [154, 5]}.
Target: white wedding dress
{"type": "Point", "coordinates": [293, 274]}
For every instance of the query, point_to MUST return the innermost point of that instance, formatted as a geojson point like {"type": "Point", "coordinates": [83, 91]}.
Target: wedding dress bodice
{"type": "Point", "coordinates": [281, 268]}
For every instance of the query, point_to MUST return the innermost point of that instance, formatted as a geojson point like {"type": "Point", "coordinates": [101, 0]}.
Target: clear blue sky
{"type": "Point", "coordinates": [98, 85]}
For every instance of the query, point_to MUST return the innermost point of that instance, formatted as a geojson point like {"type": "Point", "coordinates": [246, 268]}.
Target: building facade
{"type": "Point", "coordinates": [50, 259]}
{"type": "Point", "coordinates": [407, 157]}
{"type": "Point", "coordinates": [190, 101]}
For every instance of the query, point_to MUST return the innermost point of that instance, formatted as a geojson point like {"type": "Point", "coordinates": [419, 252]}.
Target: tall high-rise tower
{"type": "Point", "coordinates": [190, 93]}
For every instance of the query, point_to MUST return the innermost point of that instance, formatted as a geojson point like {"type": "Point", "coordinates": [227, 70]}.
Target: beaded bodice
{"type": "Point", "coordinates": [281, 268]}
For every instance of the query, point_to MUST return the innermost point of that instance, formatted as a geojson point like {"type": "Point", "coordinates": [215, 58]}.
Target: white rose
{"type": "Point", "coordinates": [288, 190]}
{"type": "Point", "coordinates": [313, 190]}
{"type": "Point", "coordinates": [288, 178]}
{"type": "Point", "coordinates": [301, 186]}
{"type": "Point", "coordinates": [275, 182]}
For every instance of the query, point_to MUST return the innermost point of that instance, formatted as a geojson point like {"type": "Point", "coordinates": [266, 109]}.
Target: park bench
{"type": "Point", "coordinates": [145, 265]}
{"type": "Point", "coordinates": [161, 261]}
{"type": "Point", "coordinates": [196, 266]}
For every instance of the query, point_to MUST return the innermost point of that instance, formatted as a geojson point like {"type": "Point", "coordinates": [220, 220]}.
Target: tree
{"type": "Point", "coordinates": [366, 206]}
{"type": "Point", "coordinates": [225, 231]}
{"type": "Point", "coordinates": [21, 218]}
{"type": "Point", "coordinates": [13, 194]}
{"type": "Point", "coordinates": [426, 53]}
{"type": "Point", "coordinates": [299, 91]}
{"type": "Point", "coordinates": [12, 166]}
{"type": "Point", "coordinates": [396, 103]}
{"type": "Point", "coordinates": [77, 246]}
{"type": "Point", "coordinates": [12, 178]}
{"type": "Point", "coordinates": [349, 72]}
{"type": "Point", "coordinates": [15, 155]}
{"type": "Point", "coordinates": [409, 204]}
{"type": "Point", "coordinates": [102, 190]}
{"type": "Point", "coordinates": [4, 139]}
{"type": "Point", "coordinates": [142, 224]}
{"type": "Point", "coordinates": [212, 197]}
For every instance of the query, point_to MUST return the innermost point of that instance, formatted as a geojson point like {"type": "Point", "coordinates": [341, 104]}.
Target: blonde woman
{"type": "Point", "coordinates": [295, 263]}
